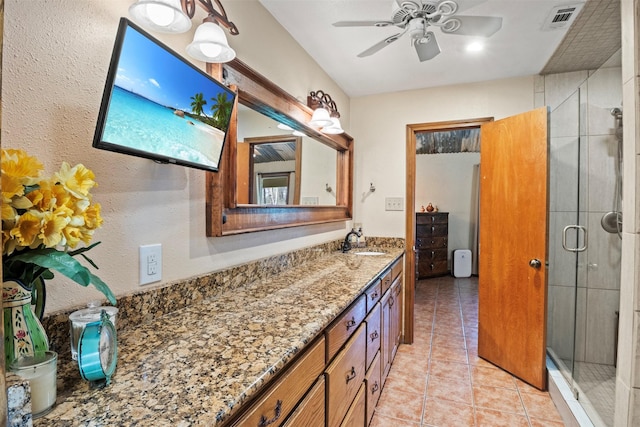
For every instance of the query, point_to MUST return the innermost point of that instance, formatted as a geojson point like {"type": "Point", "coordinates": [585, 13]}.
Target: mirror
{"type": "Point", "coordinates": [318, 186]}
{"type": "Point", "coordinates": [264, 147]}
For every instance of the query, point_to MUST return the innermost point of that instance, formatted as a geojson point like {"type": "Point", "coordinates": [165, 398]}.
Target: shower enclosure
{"type": "Point", "coordinates": [584, 239]}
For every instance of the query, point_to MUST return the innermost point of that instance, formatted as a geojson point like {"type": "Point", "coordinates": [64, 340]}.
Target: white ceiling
{"type": "Point", "coordinates": [520, 48]}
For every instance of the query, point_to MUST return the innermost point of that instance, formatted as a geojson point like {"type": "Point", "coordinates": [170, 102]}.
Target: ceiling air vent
{"type": "Point", "coordinates": [561, 16]}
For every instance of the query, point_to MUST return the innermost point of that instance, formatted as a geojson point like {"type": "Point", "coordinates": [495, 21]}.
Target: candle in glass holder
{"type": "Point", "coordinates": [40, 371]}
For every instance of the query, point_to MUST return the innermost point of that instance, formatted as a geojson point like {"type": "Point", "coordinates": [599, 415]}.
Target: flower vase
{"type": "Point", "coordinates": [24, 335]}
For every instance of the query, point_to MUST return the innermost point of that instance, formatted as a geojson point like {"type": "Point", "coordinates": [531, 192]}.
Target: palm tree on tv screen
{"type": "Point", "coordinates": [197, 104]}
{"type": "Point", "coordinates": [221, 110]}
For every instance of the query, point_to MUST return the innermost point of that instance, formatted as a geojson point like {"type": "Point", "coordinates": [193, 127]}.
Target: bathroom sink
{"type": "Point", "coordinates": [369, 253]}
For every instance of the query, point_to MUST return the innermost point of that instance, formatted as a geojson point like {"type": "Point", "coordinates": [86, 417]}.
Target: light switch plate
{"type": "Point", "coordinates": [393, 203]}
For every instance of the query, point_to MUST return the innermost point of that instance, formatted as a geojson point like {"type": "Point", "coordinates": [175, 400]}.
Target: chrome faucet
{"type": "Point", "coordinates": [346, 245]}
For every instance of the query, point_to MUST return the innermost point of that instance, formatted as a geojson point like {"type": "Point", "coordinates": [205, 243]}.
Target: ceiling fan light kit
{"type": "Point", "coordinates": [415, 17]}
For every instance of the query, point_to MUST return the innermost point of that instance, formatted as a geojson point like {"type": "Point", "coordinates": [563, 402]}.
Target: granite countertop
{"type": "Point", "coordinates": [197, 365]}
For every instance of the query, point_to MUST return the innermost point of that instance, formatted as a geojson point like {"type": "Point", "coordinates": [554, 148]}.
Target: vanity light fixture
{"type": "Point", "coordinates": [325, 112]}
{"type": "Point", "coordinates": [174, 16]}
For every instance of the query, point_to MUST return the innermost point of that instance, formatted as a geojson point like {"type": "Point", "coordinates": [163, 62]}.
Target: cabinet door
{"type": "Point", "coordinates": [356, 415]}
{"type": "Point", "coordinates": [386, 343]}
{"type": "Point", "coordinates": [396, 316]}
{"type": "Point", "coordinates": [344, 377]}
{"type": "Point", "coordinates": [374, 387]}
{"type": "Point", "coordinates": [310, 412]}
{"type": "Point", "coordinates": [373, 334]}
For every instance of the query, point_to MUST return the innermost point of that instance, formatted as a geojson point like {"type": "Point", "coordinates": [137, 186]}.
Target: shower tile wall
{"type": "Point", "coordinates": [598, 269]}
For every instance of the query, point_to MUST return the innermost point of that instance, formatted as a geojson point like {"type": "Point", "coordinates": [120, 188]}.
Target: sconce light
{"type": "Point", "coordinates": [174, 16]}
{"type": "Point", "coordinates": [325, 112]}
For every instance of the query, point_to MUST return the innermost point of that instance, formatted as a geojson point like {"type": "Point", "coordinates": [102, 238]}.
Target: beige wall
{"type": "Point", "coordinates": [379, 124]}
{"type": "Point", "coordinates": [55, 61]}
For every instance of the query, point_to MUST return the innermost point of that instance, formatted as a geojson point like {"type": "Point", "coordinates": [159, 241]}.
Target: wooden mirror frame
{"type": "Point", "coordinates": [224, 216]}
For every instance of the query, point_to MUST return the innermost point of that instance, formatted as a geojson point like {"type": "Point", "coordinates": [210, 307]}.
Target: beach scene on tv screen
{"type": "Point", "coordinates": [161, 105]}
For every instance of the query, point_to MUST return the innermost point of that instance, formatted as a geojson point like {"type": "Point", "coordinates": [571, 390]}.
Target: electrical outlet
{"type": "Point", "coordinates": [150, 263]}
{"type": "Point", "coordinates": [393, 203]}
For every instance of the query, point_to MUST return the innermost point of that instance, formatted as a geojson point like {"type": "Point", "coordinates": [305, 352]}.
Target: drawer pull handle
{"type": "Point", "coordinates": [374, 295]}
{"type": "Point", "coordinates": [374, 336]}
{"type": "Point", "coordinates": [391, 301]}
{"type": "Point", "coordinates": [351, 323]}
{"type": "Point", "coordinates": [432, 266]}
{"type": "Point", "coordinates": [264, 422]}
{"type": "Point", "coordinates": [433, 229]}
{"type": "Point", "coordinates": [375, 387]}
{"type": "Point", "coordinates": [351, 375]}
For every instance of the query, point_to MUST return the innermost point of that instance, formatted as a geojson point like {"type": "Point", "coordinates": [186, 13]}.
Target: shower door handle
{"type": "Point", "coordinates": [564, 238]}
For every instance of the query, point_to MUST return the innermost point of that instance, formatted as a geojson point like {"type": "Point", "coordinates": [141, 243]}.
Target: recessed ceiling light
{"type": "Point", "coordinates": [475, 47]}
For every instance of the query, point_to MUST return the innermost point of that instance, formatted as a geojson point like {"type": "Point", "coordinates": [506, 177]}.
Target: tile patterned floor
{"type": "Point", "coordinates": [440, 381]}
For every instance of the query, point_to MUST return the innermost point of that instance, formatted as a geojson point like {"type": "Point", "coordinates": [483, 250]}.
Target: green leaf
{"type": "Point", "coordinates": [102, 287]}
{"type": "Point", "coordinates": [62, 262]}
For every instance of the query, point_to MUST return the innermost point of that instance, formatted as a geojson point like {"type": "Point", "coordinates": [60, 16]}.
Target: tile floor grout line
{"type": "Point", "coordinates": [466, 347]}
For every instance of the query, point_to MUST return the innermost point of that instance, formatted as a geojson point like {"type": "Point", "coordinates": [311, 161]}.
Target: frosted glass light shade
{"type": "Point", "coordinates": [165, 16]}
{"type": "Point", "coordinates": [210, 44]}
{"type": "Point", "coordinates": [320, 118]}
{"type": "Point", "coordinates": [334, 128]}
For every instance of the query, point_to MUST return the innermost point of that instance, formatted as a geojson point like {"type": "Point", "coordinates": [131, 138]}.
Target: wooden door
{"type": "Point", "coordinates": [512, 289]}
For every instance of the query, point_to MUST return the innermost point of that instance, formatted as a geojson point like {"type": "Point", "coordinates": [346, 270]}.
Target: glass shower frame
{"type": "Point", "coordinates": [578, 285]}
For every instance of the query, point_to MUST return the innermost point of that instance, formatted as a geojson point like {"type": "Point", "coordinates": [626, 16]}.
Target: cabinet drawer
{"type": "Point", "coordinates": [344, 326]}
{"type": "Point", "coordinates": [386, 281]}
{"type": "Point", "coordinates": [434, 242]}
{"type": "Point", "coordinates": [432, 230]}
{"type": "Point", "coordinates": [356, 414]}
{"type": "Point", "coordinates": [310, 412]}
{"type": "Point", "coordinates": [344, 377]}
{"type": "Point", "coordinates": [374, 387]}
{"type": "Point", "coordinates": [432, 255]}
{"type": "Point", "coordinates": [373, 294]}
{"type": "Point", "coordinates": [286, 392]}
{"type": "Point", "coordinates": [432, 218]}
{"type": "Point", "coordinates": [432, 268]}
{"type": "Point", "coordinates": [396, 269]}
{"type": "Point", "coordinates": [374, 334]}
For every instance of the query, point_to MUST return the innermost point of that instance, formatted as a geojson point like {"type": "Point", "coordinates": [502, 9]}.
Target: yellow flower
{"type": "Point", "coordinates": [19, 165]}
{"type": "Point", "coordinates": [8, 213]}
{"type": "Point", "coordinates": [77, 180]}
{"type": "Point", "coordinates": [27, 228]}
{"type": "Point", "coordinates": [92, 218]}
{"type": "Point", "coordinates": [52, 226]}
{"type": "Point", "coordinates": [72, 236]}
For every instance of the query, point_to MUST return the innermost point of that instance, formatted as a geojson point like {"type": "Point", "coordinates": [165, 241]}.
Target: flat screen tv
{"type": "Point", "coordinates": [159, 106]}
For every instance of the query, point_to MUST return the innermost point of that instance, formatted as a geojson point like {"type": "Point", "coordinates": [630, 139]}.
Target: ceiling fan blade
{"type": "Point", "coordinates": [484, 26]}
{"type": "Point", "coordinates": [376, 47]}
{"type": "Point", "coordinates": [378, 23]}
{"type": "Point", "coordinates": [427, 47]}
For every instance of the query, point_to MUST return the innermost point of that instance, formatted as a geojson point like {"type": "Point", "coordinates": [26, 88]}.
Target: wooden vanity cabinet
{"type": "Point", "coordinates": [432, 232]}
{"type": "Point", "coordinates": [338, 380]}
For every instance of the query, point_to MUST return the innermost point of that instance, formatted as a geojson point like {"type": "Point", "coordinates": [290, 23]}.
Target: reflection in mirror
{"type": "Point", "coordinates": [274, 167]}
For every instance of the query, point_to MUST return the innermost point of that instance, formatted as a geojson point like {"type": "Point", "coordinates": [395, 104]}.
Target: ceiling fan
{"type": "Point", "coordinates": [416, 16]}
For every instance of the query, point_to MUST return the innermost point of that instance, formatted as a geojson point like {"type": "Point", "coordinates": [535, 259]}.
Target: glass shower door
{"type": "Point", "coordinates": [566, 238]}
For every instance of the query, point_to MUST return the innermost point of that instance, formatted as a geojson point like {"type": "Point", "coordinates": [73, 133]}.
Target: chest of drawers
{"type": "Point", "coordinates": [432, 231]}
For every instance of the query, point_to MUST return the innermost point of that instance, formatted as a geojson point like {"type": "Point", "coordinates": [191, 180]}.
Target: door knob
{"type": "Point", "coordinates": [535, 263]}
